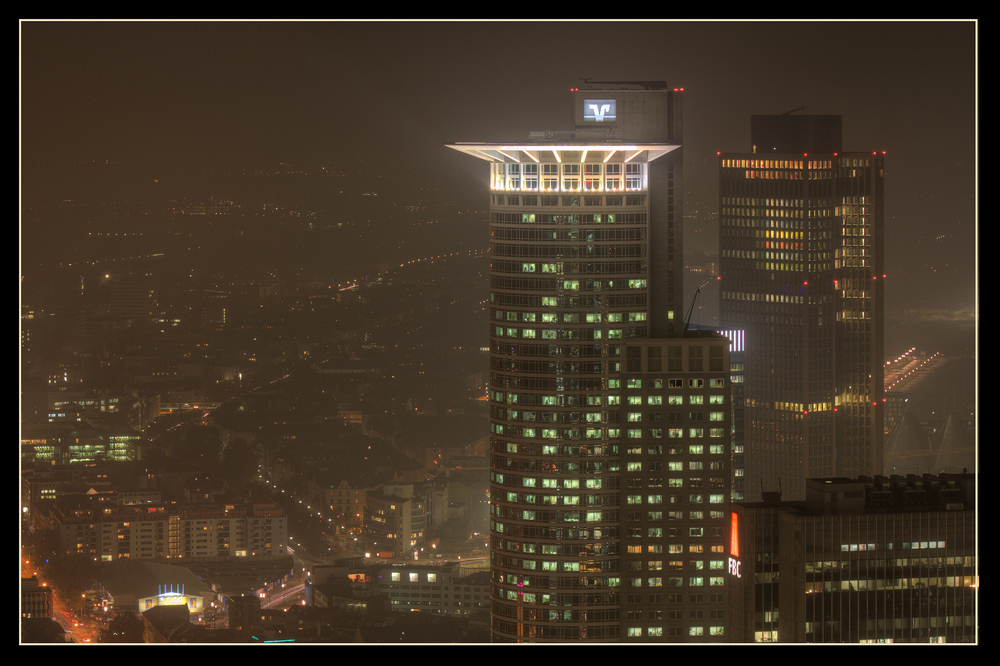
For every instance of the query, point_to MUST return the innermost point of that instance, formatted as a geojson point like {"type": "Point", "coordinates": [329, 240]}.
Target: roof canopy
{"type": "Point", "coordinates": [565, 152]}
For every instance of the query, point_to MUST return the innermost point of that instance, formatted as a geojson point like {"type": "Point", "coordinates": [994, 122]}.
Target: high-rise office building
{"type": "Point", "coordinates": [676, 418]}
{"type": "Point", "coordinates": [587, 349]}
{"type": "Point", "coordinates": [802, 274]}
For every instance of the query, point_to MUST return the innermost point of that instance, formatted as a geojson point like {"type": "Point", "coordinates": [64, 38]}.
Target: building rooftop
{"type": "Point", "coordinates": [145, 579]}
{"type": "Point", "coordinates": [891, 494]}
{"type": "Point", "coordinates": [502, 152]}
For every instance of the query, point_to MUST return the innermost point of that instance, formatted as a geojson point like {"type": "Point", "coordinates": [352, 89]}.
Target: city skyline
{"type": "Point", "coordinates": [280, 208]}
{"type": "Point", "coordinates": [165, 100]}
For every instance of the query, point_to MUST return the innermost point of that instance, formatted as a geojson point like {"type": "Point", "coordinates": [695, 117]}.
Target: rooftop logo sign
{"type": "Point", "coordinates": [599, 110]}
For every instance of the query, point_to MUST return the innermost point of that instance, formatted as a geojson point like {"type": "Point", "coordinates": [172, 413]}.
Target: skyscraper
{"type": "Point", "coordinates": [802, 274]}
{"type": "Point", "coordinates": [585, 298]}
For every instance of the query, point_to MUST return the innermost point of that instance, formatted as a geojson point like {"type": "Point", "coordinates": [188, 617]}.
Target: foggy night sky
{"type": "Point", "coordinates": [165, 98]}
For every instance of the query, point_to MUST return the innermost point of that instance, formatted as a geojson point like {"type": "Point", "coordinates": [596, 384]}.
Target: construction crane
{"type": "Point", "coordinates": [687, 319]}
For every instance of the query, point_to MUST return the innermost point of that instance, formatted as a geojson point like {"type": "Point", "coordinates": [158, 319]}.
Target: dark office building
{"type": "Point", "coordinates": [867, 560]}
{"type": "Point", "coordinates": [36, 600]}
{"type": "Point", "coordinates": [802, 275]}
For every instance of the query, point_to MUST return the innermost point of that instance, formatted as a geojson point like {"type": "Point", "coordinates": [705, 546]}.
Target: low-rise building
{"type": "Point", "coordinates": [110, 533]}
{"type": "Point", "coordinates": [442, 590]}
{"type": "Point", "coordinates": [866, 560]}
{"type": "Point", "coordinates": [36, 600]}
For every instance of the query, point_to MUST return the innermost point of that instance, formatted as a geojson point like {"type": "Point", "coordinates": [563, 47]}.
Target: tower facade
{"type": "Point", "coordinates": [801, 241]}
{"type": "Point", "coordinates": [586, 263]}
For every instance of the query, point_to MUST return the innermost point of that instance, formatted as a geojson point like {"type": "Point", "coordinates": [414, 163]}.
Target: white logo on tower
{"type": "Point", "coordinates": [599, 113]}
{"type": "Point", "coordinates": [599, 110]}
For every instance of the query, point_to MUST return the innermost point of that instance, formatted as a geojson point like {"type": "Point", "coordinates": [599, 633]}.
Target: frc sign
{"type": "Point", "coordinates": [599, 110]}
{"type": "Point", "coordinates": [734, 537]}
{"type": "Point", "coordinates": [734, 547]}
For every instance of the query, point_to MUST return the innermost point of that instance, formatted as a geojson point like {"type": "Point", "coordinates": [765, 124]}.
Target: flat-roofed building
{"type": "Point", "coordinates": [866, 560]}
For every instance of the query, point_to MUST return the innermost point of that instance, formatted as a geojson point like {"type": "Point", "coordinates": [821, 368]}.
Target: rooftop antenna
{"type": "Point", "coordinates": [648, 85]}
